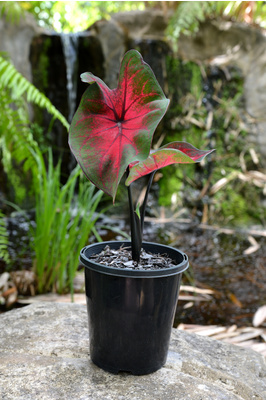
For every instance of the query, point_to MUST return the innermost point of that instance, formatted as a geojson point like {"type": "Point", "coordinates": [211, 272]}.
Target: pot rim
{"type": "Point", "coordinates": [131, 273]}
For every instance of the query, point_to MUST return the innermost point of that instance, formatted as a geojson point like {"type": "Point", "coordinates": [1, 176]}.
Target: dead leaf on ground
{"type": "Point", "coordinates": [254, 246]}
{"type": "Point", "coordinates": [259, 316]}
{"type": "Point", "coordinates": [235, 300]}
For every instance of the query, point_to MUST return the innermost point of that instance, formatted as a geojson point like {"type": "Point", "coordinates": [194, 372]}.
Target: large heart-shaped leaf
{"type": "Point", "coordinates": [172, 153]}
{"type": "Point", "coordinates": [113, 128]}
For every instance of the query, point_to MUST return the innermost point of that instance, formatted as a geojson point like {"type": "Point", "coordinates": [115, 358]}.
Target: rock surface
{"type": "Point", "coordinates": [146, 24]}
{"type": "Point", "coordinates": [17, 46]}
{"type": "Point", "coordinates": [44, 355]}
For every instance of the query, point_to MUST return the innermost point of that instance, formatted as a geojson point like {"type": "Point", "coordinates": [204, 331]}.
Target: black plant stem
{"type": "Point", "coordinates": [143, 207]}
{"type": "Point", "coordinates": [136, 236]}
{"type": "Point", "coordinates": [136, 223]}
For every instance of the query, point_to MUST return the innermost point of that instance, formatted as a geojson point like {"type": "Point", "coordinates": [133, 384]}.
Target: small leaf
{"type": "Point", "coordinates": [113, 128]}
{"type": "Point", "coordinates": [172, 153]}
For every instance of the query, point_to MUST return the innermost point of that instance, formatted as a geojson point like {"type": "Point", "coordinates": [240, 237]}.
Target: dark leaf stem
{"type": "Point", "coordinates": [136, 223]}
{"type": "Point", "coordinates": [143, 207]}
{"type": "Point", "coordinates": [136, 239]}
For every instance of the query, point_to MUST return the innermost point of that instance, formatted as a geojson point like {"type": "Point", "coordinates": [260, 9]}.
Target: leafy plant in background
{"type": "Point", "coordinates": [57, 229]}
{"type": "Point", "coordinates": [70, 16]}
{"type": "Point", "coordinates": [16, 137]}
{"type": "Point", "coordinates": [16, 131]}
{"type": "Point", "coordinates": [11, 11]}
{"type": "Point", "coordinates": [11, 79]}
{"type": "Point", "coordinates": [209, 106]}
{"type": "Point", "coordinates": [64, 222]}
{"type": "Point", "coordinates": [4, 254]}
{"type": "Point", "coordinates": [112, 130]}
{"type": "Point", "coordinates": [60, 212]}
{"type": "Point", "coordinates": [188, 15]}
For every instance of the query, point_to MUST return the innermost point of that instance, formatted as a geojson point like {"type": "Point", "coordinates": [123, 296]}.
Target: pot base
{"type": "Point", "coordinates": [135, 372]}
{"type": "Point", "coordinates": [131, 317]}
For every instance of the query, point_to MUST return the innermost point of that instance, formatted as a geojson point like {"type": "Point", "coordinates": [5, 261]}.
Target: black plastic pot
{"type": "Point", "coordinates": [131, 312]}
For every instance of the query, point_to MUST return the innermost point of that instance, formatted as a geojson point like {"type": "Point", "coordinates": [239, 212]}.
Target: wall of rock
{"type": "Point", "coordinates": [224, 44]}
{"type": "Point", "coordinates": [15, 40]}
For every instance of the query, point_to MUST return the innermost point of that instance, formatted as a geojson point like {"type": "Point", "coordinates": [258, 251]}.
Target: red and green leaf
{"type": "Point", "coordinates": [113, 128]}
{"type": "Point", "coordinates": [172, 153]}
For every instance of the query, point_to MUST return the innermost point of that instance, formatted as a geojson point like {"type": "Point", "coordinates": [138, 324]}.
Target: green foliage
{"type": "Point", "coordinates": [10, 78]}
{"type": "Point", "coordinates": [11, 10]}
{"type": "Point", "coordinates": [16, 132]}
{"type": "Point", "coordinates": [75, 16]}
{"type": "Point", "coordinates": [183, 77]}
{"type": "Point", "coordinates": [196, 82]}
{"type": "Point", "coordinates": [189, 14]}
{"type": "Point", "coordinates": [15, 137]}
{"type": "Point", "coordinates": [170, 186]}
{"type": "Point", "coordinates": [4, 254]}
{"type": "Point", "coordinates": [233, 204]}
{"type": "Point", "coordinates": [63, 224]}
{"type": "Point", "coordinates": [63, 220]}
{"type": "Point", "coordinates": [208, 112]}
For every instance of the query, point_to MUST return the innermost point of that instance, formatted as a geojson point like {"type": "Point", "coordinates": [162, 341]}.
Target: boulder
{"type": "Point", "coordinates": [15, 39]}
{"type": "Point", "coordinates": [113, 44]}
{"type": "Point", "coordinates": [45, 355]}
{"type": "Point", "coordinates": [141, 30]}
{"type": "Point", "coordinates": [146, 24]}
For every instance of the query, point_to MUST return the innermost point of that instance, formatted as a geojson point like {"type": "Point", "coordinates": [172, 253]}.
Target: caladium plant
{"type": "Point", "coordinates": [112, 130]}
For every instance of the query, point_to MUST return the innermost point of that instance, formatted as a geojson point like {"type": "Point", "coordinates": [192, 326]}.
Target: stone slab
{"type": "Point", "coordinates": [44, 354]}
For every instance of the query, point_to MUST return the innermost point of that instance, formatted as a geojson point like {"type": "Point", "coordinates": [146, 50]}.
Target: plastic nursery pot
{"type": "Point", "coordinates": [131, 312]}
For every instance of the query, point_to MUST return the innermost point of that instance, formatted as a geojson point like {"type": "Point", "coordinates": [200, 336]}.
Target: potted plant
{"type": "Point", "coordinates": [131, 287]}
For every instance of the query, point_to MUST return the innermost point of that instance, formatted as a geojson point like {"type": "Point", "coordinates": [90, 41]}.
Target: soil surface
{"type": "Point", "coordinates": [122, 259]}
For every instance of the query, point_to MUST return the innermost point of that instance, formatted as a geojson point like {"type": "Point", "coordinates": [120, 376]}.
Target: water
{"type": "Point", "coordinates": [70, 48]}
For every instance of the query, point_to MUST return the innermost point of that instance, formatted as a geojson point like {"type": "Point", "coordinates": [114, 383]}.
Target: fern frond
{"type": "Point", "coordinates": [16, 139]}
{"type": "Point", "coordinates": [12, 79]}
{"type": "Point", "coordinates": [188, 16]}
{"type": "Point", "coordinates": [4, 254]}
{"type": "Point", "coordinates": [12, 11]}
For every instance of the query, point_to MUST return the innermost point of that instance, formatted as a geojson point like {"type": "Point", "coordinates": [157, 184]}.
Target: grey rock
{"type": "Point", "coordinates": [44, 355]}
{"type": "Point", "coordinates": [232, 42]}
{"type": "Point", "coordinates": [146, 24]}
{"type": "Point", "coordinates": [15, 39]}
{"type": "Point", "coordinates": [113, 42]}
{"type": "Point", "coordinates": [121, 32]}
